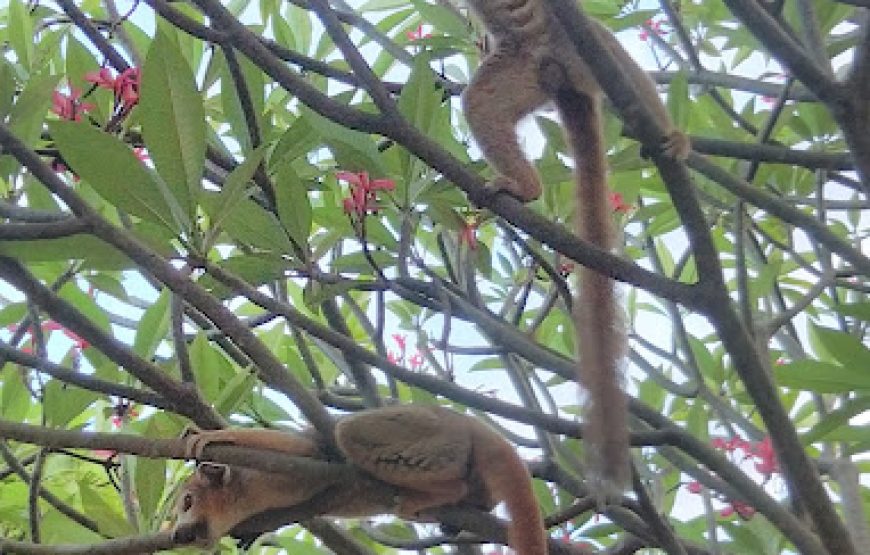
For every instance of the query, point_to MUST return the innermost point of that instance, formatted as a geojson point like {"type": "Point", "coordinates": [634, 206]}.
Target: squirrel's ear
{"type": "Point", "coordinates": [217, 475]}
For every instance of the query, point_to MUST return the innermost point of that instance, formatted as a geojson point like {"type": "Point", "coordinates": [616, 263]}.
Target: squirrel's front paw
{"type": "Point", "coordinates": [521, 192]}
{"type": "Point", "coordinates": [195, 440]}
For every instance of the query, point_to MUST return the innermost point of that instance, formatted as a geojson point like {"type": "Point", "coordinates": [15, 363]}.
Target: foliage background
{"type": "Point", "coordinates": [210, 243]}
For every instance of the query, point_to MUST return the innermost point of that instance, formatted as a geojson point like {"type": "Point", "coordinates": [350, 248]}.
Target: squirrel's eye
{"type": "Point", "coordinates": [186, 502]}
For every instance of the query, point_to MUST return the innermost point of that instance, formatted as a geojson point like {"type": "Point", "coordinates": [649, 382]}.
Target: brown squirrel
{"type": "Point", "coordinates": [410, 459]}
{"type": "Point", "coordinates": [534, 62]}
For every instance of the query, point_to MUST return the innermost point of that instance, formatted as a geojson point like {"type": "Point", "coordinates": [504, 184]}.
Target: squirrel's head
{"type": "Point", "coordinates": [204, 509]}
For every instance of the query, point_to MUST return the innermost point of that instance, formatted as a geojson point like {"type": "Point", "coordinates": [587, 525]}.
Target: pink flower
{"type": "Point", "coordinates": [743, 510]}
{"type": "Point", "coordinates": [141, 154]}
{"type": "Point", "coordinates": [68, 106]}
{"type": "Point", "coordinates": [418, 33]}
{"type": "Point", "coordinates": [416, 361]}
{"type": "Point", "coordinates": [694, 487]}
{"type": "Point", "coordinates": [102, 78]}
{"type": "Point", "coordinates": [652, 26]}
{"type": "Point", "coordinates": [125, 86]}
{"type": "Point", "coordinates": [763, 451]}
{"type": "Point", "coordinates": [401, 341]}
{"type": "Point", "coordinates": [730, 444]}
{"type": "Point", "coordinates": [362, 198]}
{"type": "Point", "coordinates": [618, 204]}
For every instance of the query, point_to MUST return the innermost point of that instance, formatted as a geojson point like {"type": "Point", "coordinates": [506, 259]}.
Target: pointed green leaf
{"type": "Point", "coordinates": [250, 224]}
{"type": "Point", "coordinates": [237, 187]}
{"type": "Point", "coordinates": [294, 206]}
{"type": "Point", "coordinates": [110, 167]}
{"type": "Point", "coordinates": [173, 121]}
{"type": "Point", "coordinates": [821, 377]}
{"type": "Point", "coordinates": [153, 326]}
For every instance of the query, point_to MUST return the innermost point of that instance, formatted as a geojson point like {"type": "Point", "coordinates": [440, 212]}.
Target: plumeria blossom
{"type": "Point", "coordinates": [102, 78]}
{"type": "Point", "coordinates": [766, 461]}
{"type": "Point", "coordinates": [743, 510]}
{"type": "Point", "coordinates": [141, 154]}
{"type": "Point", "coordinates": [125, 86]}
{"type": "Point", "coordinates": [416, 361]}
{"type": "Point", "coordinates": [362, 198]}
{"type": "Point", "coordinates": [401, 342]}
{"type": "Point", "coordinates": [766, 464]}
{"type": "Point", "coordinates": [618, 204]}
{"type": "Point", "coordinates": [418, 33]}
{"type": "Point", "coordinates": [69, 106]}
{"type": "Point", "coordinates": [652, 26]}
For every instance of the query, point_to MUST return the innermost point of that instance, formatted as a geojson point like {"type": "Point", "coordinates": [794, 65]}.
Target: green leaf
{"type": "Point", "coordinates": [110, 167]}
{"type": "Point", "coordinates": [255, 269]}
{"type": "Point", "coordinates": [28, 112]}
{"type": "Point", "coordinates": [235, 391]}
{"type": "Point", "coordinates": [232, 106]}
{"type": "Point", "coordinates": [679, 103]}
{"type": "Point", "coordinates": [298, 547]}
{"type": "Point", "coordinates": [236, 187]}
{"type": "Point", "coordinates": [859, 310]}
{"type": "Point", "coordinates": [94, 252]}
{"type": "Point", "coordinates": [153, 326]}
{"type": "Point", "coordinates": [821, 377]}
{"type": "Point", "coordinates": [843, 347]}
{"type": "Point", "coordinates": [294, 206]}
{"type": "Point", "coordinates": [80, 61]}
{"type": "Point", "coordinates": [20, 32]}
{"type": "Point", "coordinates": [420, 96]}
{"type": "Point", "coordinates": [109, 520]}
{"type": "Point", "coordinates": [443, 19]}
{"type": "Point", "coordinates": [210, 367]}
{"type": "Point", "coordinates": [86, 304]}
{"type": "Point", "coordinates": [353, 150]}
{"type": "Point", "coordinates": [7, 88]}
{"type": "Point", "coordinates": [250, 224]}
{"type": "Point", "coordinates": [15, 399]}
{"type": "Point", "coordinates": [64, 402]}
{"type": "Point", "coordinates": [173, 121]}
{"type": "Point", "coordinates": [836, 418]}
{"type": "Point", "coordinates": [149, 477]}
{"type": "Point", "coordinates": [299, 139]}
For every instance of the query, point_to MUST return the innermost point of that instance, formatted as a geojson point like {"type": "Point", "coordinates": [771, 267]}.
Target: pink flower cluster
{"type": "Point", "coordinates": [362, 198]}
{"type": "Point", "coordinates": [125, 86]}
{"type": "Point", "coordinates": [69, 106]}
{"type": "Point", "coordinates": [618, 204]}
{"type": "Point", "coordinates": [418, 33]}
{"type": "Point", "coordinates": [652, 26]}
{"type": "Point", "coordinates": [415, 361]}
{"type": "Point", "coordinates": [766, 464]}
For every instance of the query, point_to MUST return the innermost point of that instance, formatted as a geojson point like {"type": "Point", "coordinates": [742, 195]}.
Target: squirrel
{"type": "Point", "coordinates": [534, 62]}
{"type": "Point", "coordinates": [409, 459]}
